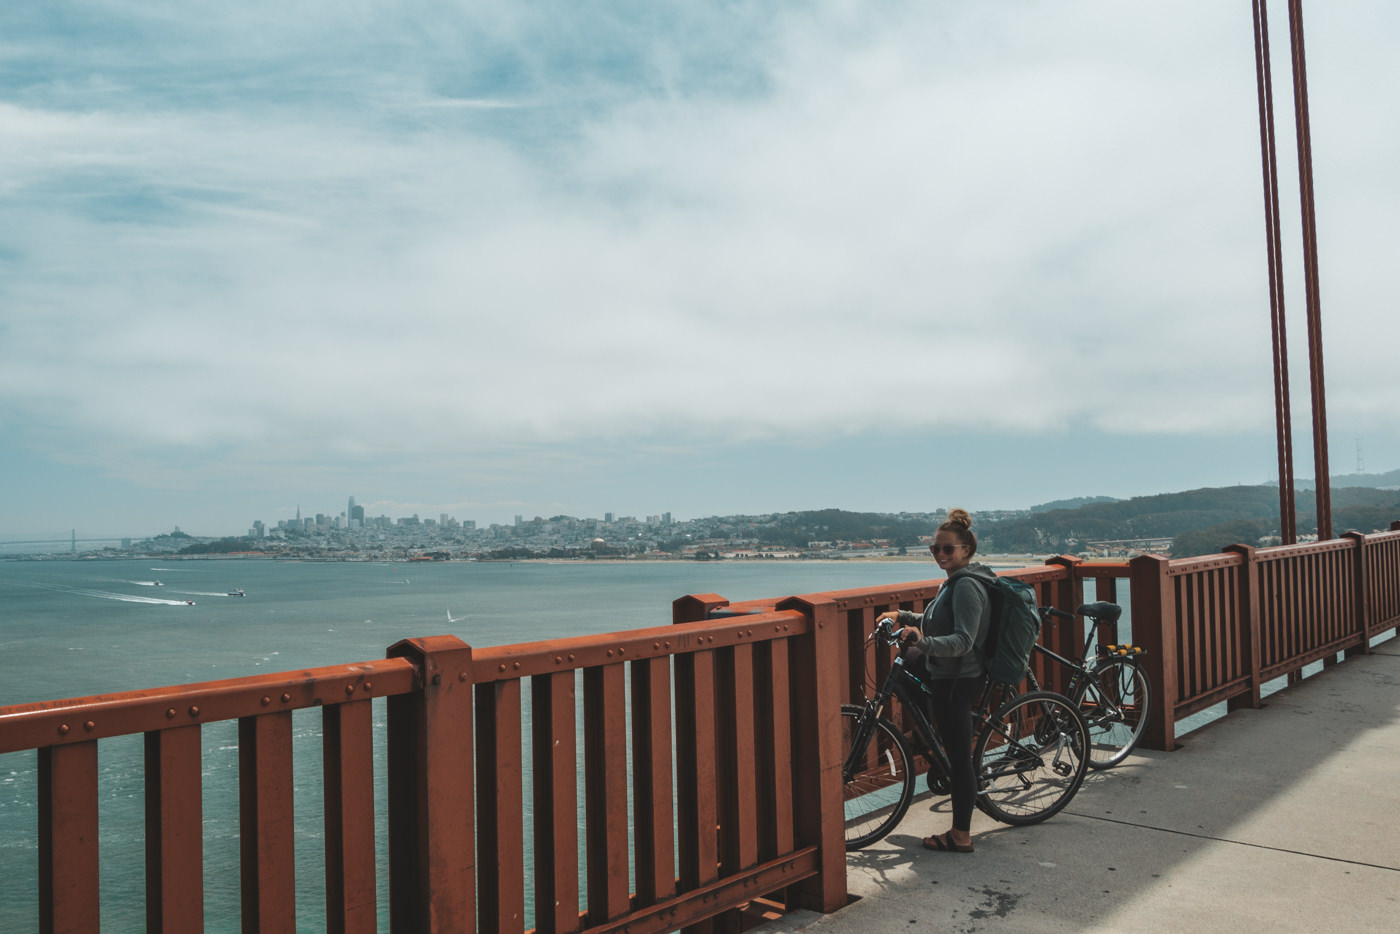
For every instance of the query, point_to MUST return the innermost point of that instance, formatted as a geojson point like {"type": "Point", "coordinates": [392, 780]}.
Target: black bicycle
{"type": "Point", "coordinates": [1028, 756]}
{"type": "Point", "coordinates": [1113, 693]}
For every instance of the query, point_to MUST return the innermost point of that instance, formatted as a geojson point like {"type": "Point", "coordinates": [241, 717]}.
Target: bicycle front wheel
{"type": "Point", "coordinates": [877, 776]}
{"type": "Point", "coordinates": [1114, 700]}
{"type": "Point", "coordinates": [1030, 758]}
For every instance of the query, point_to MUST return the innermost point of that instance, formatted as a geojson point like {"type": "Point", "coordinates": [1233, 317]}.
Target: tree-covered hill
{"type": "Point", "coordinates": [1198, 521]}
{"type": "Point", "coordinates": [798, 529]}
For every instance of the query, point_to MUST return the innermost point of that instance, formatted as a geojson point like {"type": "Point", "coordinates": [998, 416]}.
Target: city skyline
{"type": "Point", "coordinates": [709, 259]}
{"type": "Point", "coordinates": [314, 519]}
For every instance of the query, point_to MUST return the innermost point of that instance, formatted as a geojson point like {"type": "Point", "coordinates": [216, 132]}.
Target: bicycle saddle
{"type": "Point", "coordinates": [1103, 612]}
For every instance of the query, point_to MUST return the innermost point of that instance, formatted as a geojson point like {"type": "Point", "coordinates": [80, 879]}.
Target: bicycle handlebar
{"type": "Point", "coordinates": [889, 630]}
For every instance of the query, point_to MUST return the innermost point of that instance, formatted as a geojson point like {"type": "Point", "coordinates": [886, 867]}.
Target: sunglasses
{"type": "Point", "coordinates": [942, 549]}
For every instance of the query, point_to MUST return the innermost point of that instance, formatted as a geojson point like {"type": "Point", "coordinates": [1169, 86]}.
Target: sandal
{"type": "Point", "coordinates": [945, 842]}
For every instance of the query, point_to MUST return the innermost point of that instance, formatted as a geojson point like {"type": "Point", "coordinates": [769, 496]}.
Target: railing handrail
{"type": "Point", "coordinates": [102, 716]}
{"type": "Point", "coordinates": [521, 660]}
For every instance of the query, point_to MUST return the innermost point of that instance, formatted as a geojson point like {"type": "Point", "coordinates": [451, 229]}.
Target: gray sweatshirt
{"type": "Point", "coordinates": [955, 625]}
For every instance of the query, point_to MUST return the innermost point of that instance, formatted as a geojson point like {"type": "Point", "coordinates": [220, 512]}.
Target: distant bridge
{"type": "Point", "coordinates": [71, 541]}
{"type": "Point", "coordinates": [68, 541]}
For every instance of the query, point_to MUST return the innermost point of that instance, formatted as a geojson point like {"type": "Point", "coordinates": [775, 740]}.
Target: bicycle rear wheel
{"type": "Point", "coordinates": [877, 776]}
{"type": "Point", "coordinates": [1029, 758]}
{"type": "Point", "coordinates": [1114, 701]}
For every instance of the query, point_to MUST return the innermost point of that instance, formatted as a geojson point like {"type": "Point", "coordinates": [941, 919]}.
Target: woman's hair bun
{"type": "Point", "coordinates": [959, 517]}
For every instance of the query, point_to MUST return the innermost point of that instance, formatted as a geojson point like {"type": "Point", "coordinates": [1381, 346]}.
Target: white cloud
{"type": "Point", "coordinates": [914, 217]}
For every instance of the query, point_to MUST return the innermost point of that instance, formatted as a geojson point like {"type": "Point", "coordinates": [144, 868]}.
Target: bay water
{"type": "Point", "coordinates": [78, 627]}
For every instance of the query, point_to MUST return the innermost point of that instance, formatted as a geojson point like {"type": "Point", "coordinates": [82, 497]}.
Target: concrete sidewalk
{"type": "Point", "coordinates": [1283, 818]}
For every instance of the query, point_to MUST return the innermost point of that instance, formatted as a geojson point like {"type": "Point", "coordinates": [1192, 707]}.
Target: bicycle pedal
{"type": "Point", "coordinates": [1063, 768]}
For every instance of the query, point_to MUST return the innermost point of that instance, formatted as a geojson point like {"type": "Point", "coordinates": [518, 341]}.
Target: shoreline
{"type": "Point", "coordinates": [997, 560]}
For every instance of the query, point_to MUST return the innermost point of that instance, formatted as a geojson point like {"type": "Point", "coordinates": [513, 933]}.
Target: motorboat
{"type": "Point", "coordinates": [236, 592]}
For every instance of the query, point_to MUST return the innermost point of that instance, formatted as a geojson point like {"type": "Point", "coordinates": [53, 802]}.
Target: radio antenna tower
{"type": "Point", "coordinates": [1360, 458]}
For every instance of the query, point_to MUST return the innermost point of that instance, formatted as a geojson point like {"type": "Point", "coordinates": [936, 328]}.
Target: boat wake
{"type": "Point", "coordinates": [120, 597]}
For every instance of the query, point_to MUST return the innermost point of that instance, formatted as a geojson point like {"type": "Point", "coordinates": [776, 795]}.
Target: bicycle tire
{"type": "Point", "coordinates": [881, 785]}
{"type": "Point", "coordinates": [1029, 758]}
{"type": "Point", "coordinates": [1114, 700]}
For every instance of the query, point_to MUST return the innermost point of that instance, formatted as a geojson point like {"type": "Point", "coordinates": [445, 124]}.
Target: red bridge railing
{"type": "Point", "coordinates": [1218, 627]}
{"type": "Point", "coordinates": [694, 785]}
{"type": "Point", "coordinates": [740, 705]}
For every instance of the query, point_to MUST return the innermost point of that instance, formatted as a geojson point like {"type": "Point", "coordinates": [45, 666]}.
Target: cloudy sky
{"type": "Point", "coordinates": [496, 258]}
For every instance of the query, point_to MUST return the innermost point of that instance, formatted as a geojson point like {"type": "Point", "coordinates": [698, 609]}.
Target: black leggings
{"type": "Point", "coordinates": [951, 701]}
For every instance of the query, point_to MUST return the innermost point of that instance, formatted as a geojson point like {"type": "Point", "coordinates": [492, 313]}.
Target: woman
{"type": "Point", "coordinates": [951, 634]}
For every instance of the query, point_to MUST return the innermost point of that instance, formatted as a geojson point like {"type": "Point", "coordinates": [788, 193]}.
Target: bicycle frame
{"type": "Point", "coordinates": [1081, 669]}
{"type": "Point", "coordinates": [1080, 665]}
{"type": "Point", "coordinates": [910, 690]}
{"type": "Point", "coordinates": [903, 685]}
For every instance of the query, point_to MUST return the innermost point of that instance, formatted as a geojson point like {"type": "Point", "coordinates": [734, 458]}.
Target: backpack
{"type": "Point", "coordinates": [1014, 629]}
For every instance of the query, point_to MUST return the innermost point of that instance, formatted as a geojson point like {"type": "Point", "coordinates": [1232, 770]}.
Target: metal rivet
{"type": "Point", "coordinates": [349, 689]}
{"type": "Point", "coordinates": [516, 666]}
{"type": "Point", "coordinates": [265, 700]}
{"type": "Point", "coordinates": [194, 711]}
{"type": "Point", "coordinates": [437, 679]}
{"type": "Point", "coordinates": [170, 714]}
{"type": "Point", "coordinates": [286, 698]}
{"type": "Point", "coordinates": [89, 726]}
{"type": "Point", "coordinates": [63, 730]}
{"type": "Point", "coordinates": [369, 685]}
{"type": "Point", "coordinates": [500, 667]}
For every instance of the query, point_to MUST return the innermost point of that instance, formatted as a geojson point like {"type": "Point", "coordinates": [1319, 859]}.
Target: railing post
{"type": "Point", "coordinates": [697, 798]}
{"type": "Point", "coordinates": [1154, 628]}
{"type": "Point", "coordinates": [347, 744]}
{"type": "Point", "coordinates": [174, 831]}
{"type": "Point", "coordinates": [68, 858]}
{"type": "Point", "coordinates": [816, 705]}
{"type": "Point", "coordinates": [266, 828]}
{"type": "Point", "coordinates": [1248, 601]}
{"type": "Point", "coordinates": [432, 886]}
{"type": "Point", "coordinates": [1065, 638]}
{"type": "Point", "coordinates": [695, 607]}
{"type": "Point", "coordinates": [1361, 599]}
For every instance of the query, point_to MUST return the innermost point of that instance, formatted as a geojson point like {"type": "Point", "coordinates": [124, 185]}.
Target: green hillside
{"type": "Point", "coordinates": [1197, 521]}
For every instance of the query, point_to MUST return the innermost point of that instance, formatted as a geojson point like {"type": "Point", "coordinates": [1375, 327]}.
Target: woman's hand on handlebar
{"type": "Point", "coordinates": [900, 633]}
